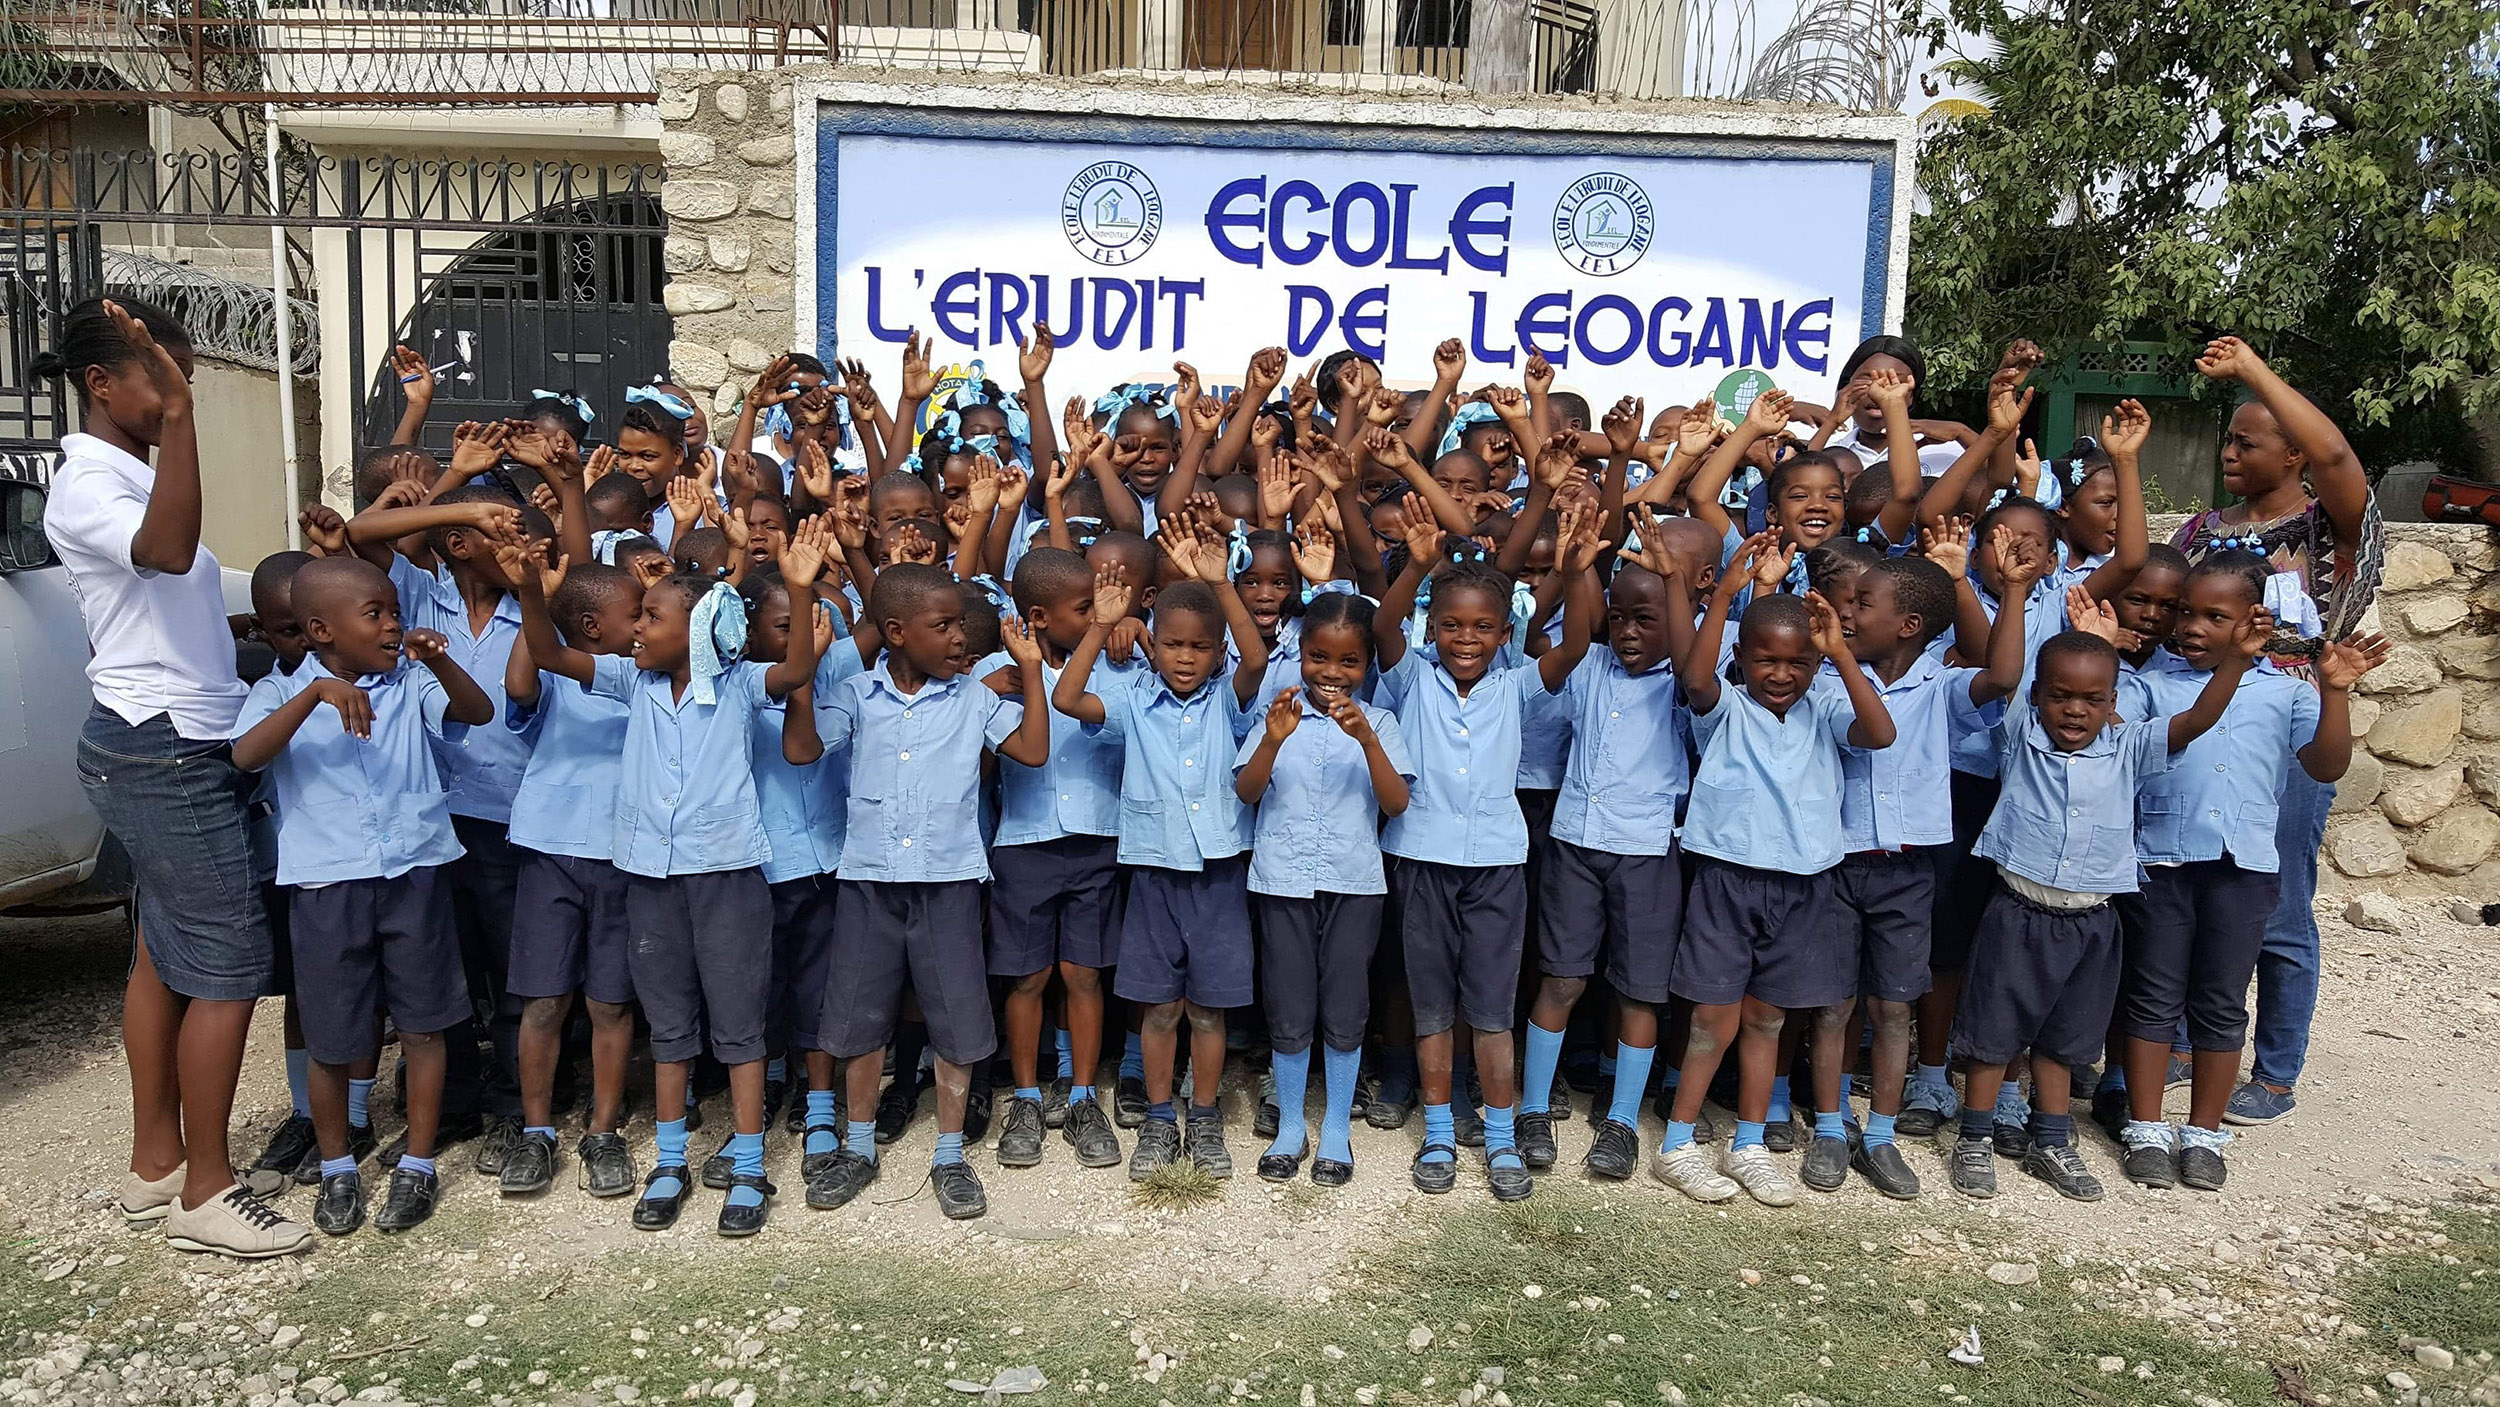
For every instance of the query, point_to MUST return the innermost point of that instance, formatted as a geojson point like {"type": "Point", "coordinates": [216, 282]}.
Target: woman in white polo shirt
{"type": "Point", "coordinates": [156, 764]}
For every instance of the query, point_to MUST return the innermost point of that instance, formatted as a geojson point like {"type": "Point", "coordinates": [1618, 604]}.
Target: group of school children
{"type": "Point", "coordinates": [925, 728]}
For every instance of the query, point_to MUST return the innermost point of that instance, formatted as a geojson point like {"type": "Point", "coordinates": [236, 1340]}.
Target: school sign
{"type": "Point", "coordinates": [1643, 251]}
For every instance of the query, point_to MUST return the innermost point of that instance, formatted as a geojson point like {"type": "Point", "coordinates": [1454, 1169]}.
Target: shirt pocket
{"type": "Point", "coordinates": [2113, 851]}
{"type": "Point", "coordinates": [872, 774]}
{"type": "Point", "coordinates": [1727, 816]}
{"type": "Point", "coordinates": [722, 830]}
{"type": "Point", "coordinates": [2255, 835]}
{"type": "Point", "coordinates": [2161, 822]}
{"type": "Point", "coordinates": [1141, 824]}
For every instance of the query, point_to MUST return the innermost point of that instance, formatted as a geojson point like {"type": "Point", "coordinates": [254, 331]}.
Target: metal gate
{"type": "Point", "coordinates": [509, 276]}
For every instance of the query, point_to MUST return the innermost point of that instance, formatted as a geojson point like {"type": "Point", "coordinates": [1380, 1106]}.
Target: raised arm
{"type": "Point", "coordinates": [2340, 665]}
{"type": "Point", "coordinates": [1033, 357]}
{"type": "Point", "coordinates": [801, 559]}
{"type": "Point", "coordinates": [546, 646]}
{"type": "Point", "coordinates": [1423, 547]}
{"type": "Point", "coordinates": [263, 741]}
{"type": "Point", "coordinates": [1697, 669]}
{"type": "Point", "coordinates": [1873, 726]}
{"type": "Point", "coordinates": [1892, 397]}
{"type": "Point", "coordinates": [1449, 363]}
{"type": "Point", "coordinates": [2334, 471]}
{"type": "Point", "coordinates": [168, 539]}
{"type": "Point", "coordinates": [1575, 554]}
{"type": "Point", "coordinates": [2192, 722]}
{"type": "Point", "coordinates": [416, 382]}
{"type": "Point", "coordinates": [1284, 714]}
{"type": "Point", "coordinates": [1194, 548]}
{"type": "Point", "coordinates": [2008, 658]}
{"type": "Point", "coordinates": [1258, 382]}
{"type": "Point", "coordinates": [1112, 598]}
{"type": "Point", "coordinates": [2123, 432]}
{"type": "Point", "coordinates": [1389, 452]}
{"type": "Point", "coordinates": [463, 700]}
{"type": "Point", "coordinates": [1030, 743]}
{"type": "Point", "coordinates": [1768, 415]}
{"type": "Point", "coordinates": [2006, 409]}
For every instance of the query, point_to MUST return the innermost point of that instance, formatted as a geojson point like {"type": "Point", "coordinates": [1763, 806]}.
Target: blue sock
{"type": "Point", "coordinates": [1830, 1125]}
{"type": "Point", "coordinates": [669, 1139]}
{"type": "Point", "coordinates": [1673, 1077]}
{"type": "Point", "coordinates": [2052, 1130]}
{"type": "Point", "coordinates": [332, 1167]}
{"type": "Point", "coordinates": [1935, 1075]}
{"type": "Point", "coordinates": [299, 1082]}
{"type": "Point", "coordinates": [1067, 1054]}
{"type": "Point", "coordinates": [1878, 1128]}
{"type": "Point", "coordinates": [746, 1156]}
{"type": "Point", "coordinates": [1842, 1108]}
{"type": "Point", "coordinates": [1202, 1113]}
{"type": "Point", "coordinates": [1397, 1074]}
{"type": "Point", "coordinates": [1779, 1110]}
{"type": "Point", "coordinates": [1678, 1134]}
{"type": "Point", "coordinates": [1977, 1123]}
{"type": "Point", "coordinates": [2113, 1079]}
{"type": "Point", "coordinates": [1336, 1131]}
{"type": "Point", "coordinates": [1536, 1080]}
{"type": "Point", "coordinates": [1748, 1134]}
{"type": "Point", "coordinates": [410, 1162]}
{"type": "Point", "coordinates": [820, 1136]}
{"type": "Point", "coordinates": [950, 1149]}
{"type": "Point", "coordinates": [1162, 1112]}
{"type": "Point", "coordinates": [2011, 1107]}
{"type": "Point", "coordinates": [528, 1129]}
{"type": "Point", "coordinates": [1292, 1069]}
{"type": "Point", "coordinates": [1631, 1064]}
{"type": "Point", "coordinates": [1032, 1092]}
{"type": "Point", "coordinates": [1440, 1126]}
{"type": "Point", "coordinates": [861, 1138]}
{"type": "Point", "coordinates": [1133, 1057]}
{"type": "Point", "coordinates": [777, 1068]}
{"type": "Point", "coordinates": [359, 1103]}
{"type": "Point", "coordinates": [1499, 1142]}
{"type": "Point", "coordinates": [1080, 1094]}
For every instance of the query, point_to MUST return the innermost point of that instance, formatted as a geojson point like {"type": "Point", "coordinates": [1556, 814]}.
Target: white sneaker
{"type": "Point", "coordinates": [1755, 1170]}
{"type": "Point", "coordinates": [1687, 1170]}
{"type": "Point", "coordinates": [143, 1201]}
{"type": "Point", "coordinates": [234, 1223]}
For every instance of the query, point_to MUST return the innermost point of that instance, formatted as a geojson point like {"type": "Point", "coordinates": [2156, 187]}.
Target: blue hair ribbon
{"type": "Point", "coordinates": [579, 406]}
{"type": "Point", "coordinates": [652, 395]}
{"type": "Point", "coordinates": [716, 632]}
{"type": "Point", "coordinates": [1522, 605]}
{"type": "Point", "coordinates": [603, 545]}
{"type": "Point", "coordinates": [1472, 413]}
{"type": "Point", "coordinates": [1237, 549]}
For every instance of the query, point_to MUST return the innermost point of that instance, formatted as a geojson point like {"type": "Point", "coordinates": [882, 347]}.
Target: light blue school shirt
{"type": "Point", "coordinates": [915, 805]}
{"type": "Point", "coordinates": [2044, 615]}
{"type": "Point", "coordinates": [359, 808]}
{"type": "Point", "coordinates": [483, 770]}
{"type": "Point", "coordinates": [1076, 792]}
{"type": "Point", "coordinates": [2068, 575]}
{"type": "Point", "coordinates": [1768, 792]}
{"type": "Point", "coordinates": [1464, 806]}
{"type": "Point", "coordinates": [1178, 809]}
{"type": "Point", "coordinates": [2067, 819]}
{"type": "Point", "coordinates": [685, 801]}
{"type": "Point", "coordinates": [2135, 696]}
{"type": "Point", "coordinates": [1319, 821]}
{"type": "Point", "coordinates": [1894, 797]}
{"type": "Point", "coordinates": [1545, 731]}
{"type": "Point", "coordinates": [262, 809]}
{"type": "Point", "coordinates": [801, 808]}
{"type": "Point", "coordinates": [2221, 794]}
{"type": "Point", "coordinates": [1627, 770]}
{"type": "Point", "coordinates": [567, 801]}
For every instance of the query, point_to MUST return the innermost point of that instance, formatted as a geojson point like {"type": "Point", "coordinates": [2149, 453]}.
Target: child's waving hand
{"type": "Point", "coordinates": [2125, 429]}
{"type": "Point", "coordinates": [1284, 714]}
{"type": "Point", "coordinates": [1112, 594]}
{"type": "Point", "coordinates": [1823, 625]}
{"type": "Point", "coordinates": [2342, 663]}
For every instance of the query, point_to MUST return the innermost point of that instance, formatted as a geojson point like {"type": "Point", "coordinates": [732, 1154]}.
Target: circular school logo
{"type": "Point", "coordinates": [1111, 213]}
{"type": "Point", "coordinates": [1603, 224]}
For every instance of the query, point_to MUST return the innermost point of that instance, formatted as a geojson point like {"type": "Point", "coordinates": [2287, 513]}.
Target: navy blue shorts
{"type": "Point", "coordinates": [1188, 935]}
{"type": "Point", "coordinates": [928, 935]}
{"type": "Point", "coordinates": [569, 930]}
{"type": "Point", "coordinates": [702, 962]}
{"type": "Point", "coordinates": [1461, 928]}
{"type": "Point", "coordinates": [1963, 880]}
{"type": "Point", "coordinates": [367, 945]}
{"type": "Point", "coordinates": [1776, 937]}
{"type": "Point", "coordinates": [802, 955]}
{"type": "Point", "coordinates": [2192, 939]}
{"type": "Point", "coordinates": [1891, 894]}
{"type": "Point", "coordinates": [275, 901]}
{"type": "Point", "coordinates": [1055, 901]}
{"type": "Point", "coordinates": [1315, 959]}
{"type": "Point", "coordinates": [1629, 908]}
{"type": "Point", "coordinates": [2040, 979]}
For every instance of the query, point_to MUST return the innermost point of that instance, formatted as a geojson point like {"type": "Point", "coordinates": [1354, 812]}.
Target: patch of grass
{"type": "Point", "coordinates": [2418, 1295]}
{"type": "Point", "coordinates": [1177, 1186]}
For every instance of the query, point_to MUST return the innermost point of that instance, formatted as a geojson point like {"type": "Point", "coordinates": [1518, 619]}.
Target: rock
{"type": "Point", "coordinates": [2366, 849]}
{"type": "Point", "coordinates": [678, 103]}
{"type": "Point", "coordinates": [2474, 656]}
{"type": "Point", "coordinates": [2482, 774]}
{"type": "Point", "coordinates": [1534, 1292]}
{"type": "Point", "coordinates": [1750, 1276]}
{"type": "Point", "coordinates": [2482, 713]}
{"type": "Point", "coordinates": [286, 1338]}
{"type": "Point", "coordinates": [2409, 669]}
{"type": "Point", "coordinates": [2364, 712]}
{"type": "Point", "coordinates": [2436, 614]}
{"type": "Point", "coordinates": [2466, 911]}
{"type": "Point", "coordinates": [731, 253]}
{"type": "Point", "coordinates": [2110, 1363]}
{"type": "Point", "coordinates": [2410, 797]}
{"type": "Point", "coordinates": [772, 196]}
{"type": "Point", "coordinates": [2228, 1253]}
{"type": "Point", "coordinates": [1418, 1339]}
{"type": "Point", "coordinates": [685, 150]}
{"type": "Point", "coordinates": [2361, 783]}
{"type": "Point", "coordinates": [2433, 1357]}
{"type": "Point", "coordinates": [2457, 841]}
{"type": "Point", "coordinates": [681, 298]}
{"type": "Point", "coordinates": [627, 1392]}
{"type": "Point", "coordinates": [766, 151]}
{"type": "Point", "coordinates": [710, 200]}
{"type": "Point", "coordinates": [1670, 1394]}
{"type": "Point", "coordinates": [731, 99]}
{"type": "Point", "coordinates": [2419, 731]}
{"type": "Point", "coordinates": [746, 354]}
{"type": "Point", "coordinates": [1367, 1395]}
{"type": "Point", "coordinates": [695, 364]}
{"type": "Point", "coordinates": [2400, 1380]}
{"type": "Point", "coordinates": [682, 254]}
{"type": "Point", "coordinates": [2010, 1272]}
{"type": "Point", "coordinates": [2375, 913]}
{"type": "Point", "coordinates": [59, 1270]}
{"type": "Point", "coordinates": [2409, 566]}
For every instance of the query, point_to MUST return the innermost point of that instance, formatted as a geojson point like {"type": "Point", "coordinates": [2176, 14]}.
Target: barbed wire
{"type": "Point", "coordinates": [229, 319]}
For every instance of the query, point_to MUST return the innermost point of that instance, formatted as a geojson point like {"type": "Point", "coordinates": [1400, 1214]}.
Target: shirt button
{"type": "Point", "coordinates": [2222, 766]}
{"type": "Point", "coordinates": [1462, 732]}
{"type": "Point", "coordinates": [1617, 714]}
{"type": "Point", "coordinates": [1189, 762]}
{"type": "Point", "coordinates": [907, 842]}
{"type": "Point", "coordinates": [668, 801]}
{"type": "Point", "coordinates": [1063, 796]}
{"type": "Point", "coordinates": [2074, 810]}
{"type": "Point", "coordinates": [1462, 771]}
{"type": "Point", "coordinates": [1193, 806]}
{"type": "Point", "coordinates": [1184, 718]}
{"type": "Point", "coordinates": [907, 713]}
{"type": "Point", "coordinates": [906, 754]}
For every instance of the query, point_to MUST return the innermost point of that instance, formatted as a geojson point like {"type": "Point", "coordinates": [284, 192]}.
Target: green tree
{"type": "Point", "coordinates": [2314, 175]}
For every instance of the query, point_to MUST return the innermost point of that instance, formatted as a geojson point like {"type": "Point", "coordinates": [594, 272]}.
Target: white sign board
{"type": "Point", "coordinates": [1638, 264]}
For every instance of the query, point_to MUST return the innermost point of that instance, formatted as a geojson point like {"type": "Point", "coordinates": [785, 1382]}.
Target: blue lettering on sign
{"type": "Point", "coordinates": [1246, 224]}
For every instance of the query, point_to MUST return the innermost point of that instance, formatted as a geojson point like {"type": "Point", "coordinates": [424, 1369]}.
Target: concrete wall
{"type": "Point", "coordinates": [247, 501]}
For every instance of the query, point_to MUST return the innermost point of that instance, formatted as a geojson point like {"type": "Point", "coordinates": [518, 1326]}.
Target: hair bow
{"type": "Point", "coordinates": [716, 632]}
{"type": "Point", "coordinates": [1472, 413]}
{"type": "Point", "coordinates": [1998, 498]}
{"type": "Point", "coordinates": [994, 593]}
{"type": "Point", "coordinates": [1237, 549]}
{"type": "Point", "coordinates": [1116, 401]}
{"type": "Point", "coordinates": [1464, 550]}
{"type": "Point", "coordinates": [1419, 621]}
{"type": "Point", "coordinates": [2295, 611]}
{"type": "Point", "coordinates": [579, 406]}
{"type": "Point", "coordinates": [1522, 605]}
{"type": "Point", "coordinates": [971, 393]}
{"type": "Point", "coordinates": [677, 406]}
{"type": "Point", "coordinates": [603, 545]}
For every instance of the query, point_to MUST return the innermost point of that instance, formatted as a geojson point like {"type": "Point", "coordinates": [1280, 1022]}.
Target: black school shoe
{"type": "Point", "coordinates": [843, 1177]}
{"type": "Point", "coordinates": [603, 1166]}
{"type": "Point", "coordinates": [2061, 1167]}
{"type": "Point", "coordinates": [774, 1092]}
{"type": "Point", "coordinates": [718, 1168]}
{"type": "Point", "coordinates": [1158, 1142]}
{"type": "Point", "coordinates": [1129, 1102]}
{"type": "Point", "coordinates": [977, 1107]}
{"type": "Point", "coordinates": [1282, 1167]}
{"type": "Point", "coordinates": [1088, 1131]}
{"type": "Point", "coordinates": [1826, 1164]}
{"type": "Point", "coordinates": [895, 1108]}
{"type": "Point", "coordinates": [410, 1202]}
{"type": "Point", "coordinates": [737, 1221]}
{"type": "Point", "coordinates": [2109, 1110]}
{"type": "Point", "coordinates": [1885, 1170]}
{"type": "Point", "coordinates": [1205, 1142]}
{"type": "Point", "coordinates": [1386, 1112]}
{"type": "Point", "coordinates": [1020, 1142]}
{"type": "Point", "coordinates": [1974, 1168]}
{"type": "Point", "coordinates": [1780, 1135]}
{"type": "Point", "coordinates": [503, 1134]}
{"type": "Point", "coordinates": [2010, 1140]}
{"type": "Point", "coordinates": [653, 1212]}
{"type": "Point", "coordinates": [530, 1167]}
{"type": "Point", "coordinates": [2201, 1168]}
{"type": "Point", "coordinates": [1616, 1153]}
{"type": "Point", "coordinates": [1434, 1178]}
{"type": "Point", "coordinates": [290, 1144]}
{"type": "Point", "coordinates": [1510, 1181]}
{"type": "Point", "coordinates": [1055, 1102]}
{"type": "Point", "coordinates": [2151, 1165]}
{"type": "Point", "coordinates": [340, 1208]}
{"type": "Point", "coordinates": [1328, 1172]}
{"type": "Point", "coordinates": [959, 1194]}
{"type": "Point", "coordinates": [1536, 1139]}
{"type": "Point", "coordinates": [360, 1146]}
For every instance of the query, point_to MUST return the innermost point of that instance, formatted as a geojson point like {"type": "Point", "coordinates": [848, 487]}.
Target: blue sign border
{"type": "Point", "coordinates": [835, 120]}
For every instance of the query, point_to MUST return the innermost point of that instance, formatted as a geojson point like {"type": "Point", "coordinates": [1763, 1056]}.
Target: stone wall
{"type": "Point", "coordinates": [732, 247]}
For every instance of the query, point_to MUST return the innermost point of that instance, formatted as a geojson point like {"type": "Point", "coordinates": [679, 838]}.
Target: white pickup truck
{"type": "Point", "coordinates": [54, 854]}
